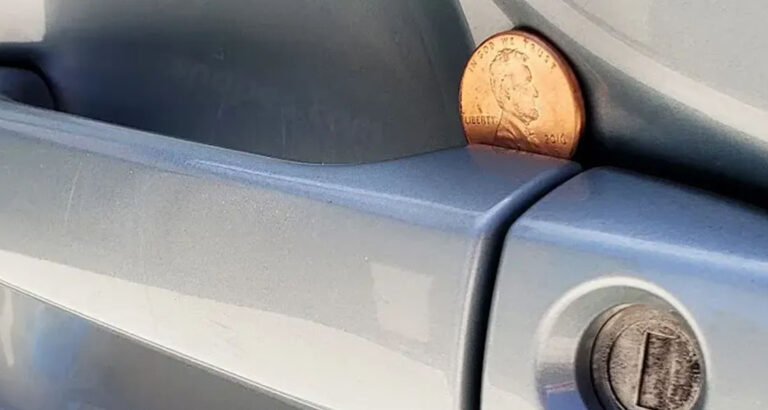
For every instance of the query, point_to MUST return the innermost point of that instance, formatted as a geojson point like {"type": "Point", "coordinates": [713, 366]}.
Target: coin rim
{"type": "Point", "coordinates": [559, 58]}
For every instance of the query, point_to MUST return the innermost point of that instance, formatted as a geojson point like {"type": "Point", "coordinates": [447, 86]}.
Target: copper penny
{"type": "Point", "coordinates": [518, 92]}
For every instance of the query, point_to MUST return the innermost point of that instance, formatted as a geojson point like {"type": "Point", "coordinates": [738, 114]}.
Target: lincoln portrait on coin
{"type": "Point", "coordinates": [512, 86]}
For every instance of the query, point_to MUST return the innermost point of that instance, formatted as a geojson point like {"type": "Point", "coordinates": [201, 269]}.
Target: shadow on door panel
{"type": "Point", "coordinates": [332, 81]}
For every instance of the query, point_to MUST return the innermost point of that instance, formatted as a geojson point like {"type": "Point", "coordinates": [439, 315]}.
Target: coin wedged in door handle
{"type": "Point", "coordinates": [519, 92]}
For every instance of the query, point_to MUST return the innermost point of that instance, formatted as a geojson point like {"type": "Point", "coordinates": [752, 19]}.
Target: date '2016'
{"type": "Point", "coordinates": [555, 139]}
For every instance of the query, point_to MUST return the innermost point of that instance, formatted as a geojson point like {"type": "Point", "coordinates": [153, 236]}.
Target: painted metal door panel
{"type": "Point", "coordinates": [676, 84]}
{"type": "Point", "coordinates": [54, 359]}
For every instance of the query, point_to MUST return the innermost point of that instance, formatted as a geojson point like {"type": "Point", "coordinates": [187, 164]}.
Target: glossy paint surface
{"type": "Point", "coordinates": [339, 287]}
{"type": "Point", "coordinates": [484, 19]}
{"type": "Point", "coordinates": [607, 238]}
{"type": "Point", "coordinates": [340, 81]}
